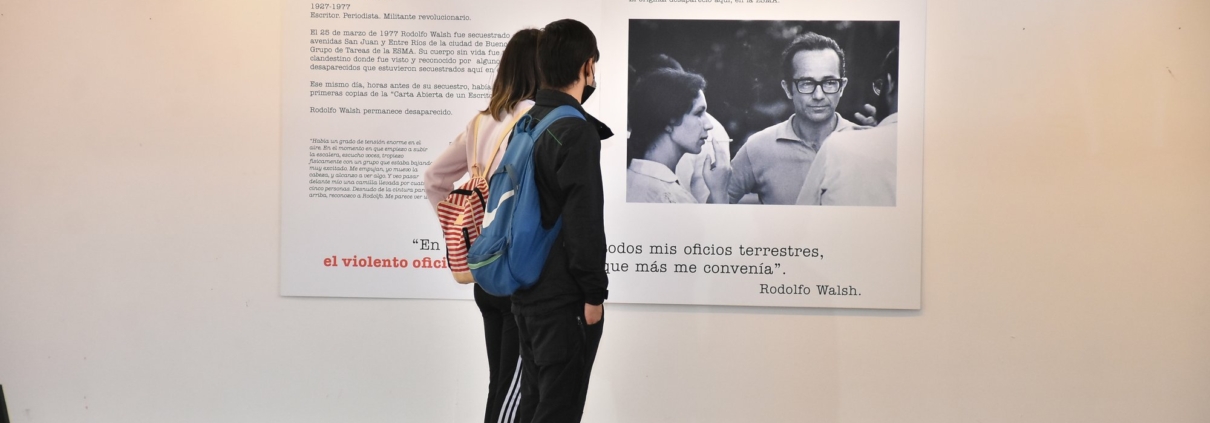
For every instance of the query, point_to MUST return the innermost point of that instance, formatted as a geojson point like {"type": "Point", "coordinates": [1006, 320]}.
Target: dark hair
{"type": "Point", "coordinates": [659, 99]}
{"type": "Point", "coordinates": [517, 74]}
{"type": "Point", "coordinates": [659, 61]}
{"type": "Point", "coordinates": [651, 63]}
{"type": "Point", "coordinates": [807, 42]}
{"type": "Point", "coordinates": [563, 48]}
{"type": "Point", "coordinates": [890, 65]}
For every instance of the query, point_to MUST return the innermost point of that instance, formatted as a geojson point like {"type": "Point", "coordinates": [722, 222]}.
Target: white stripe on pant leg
{"type": "Point", "coordinates": [513, 413]}
{"type": "Point", "coordinates": [509, 408]}
{"type": "Point", "coordinates": [513, 397]}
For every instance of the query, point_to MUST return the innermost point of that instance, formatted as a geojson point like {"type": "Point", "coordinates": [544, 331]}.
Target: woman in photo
{"type": "Point", "coordinates": [512, 95]}
{"type": "Point", "coordinates": [668, 119]}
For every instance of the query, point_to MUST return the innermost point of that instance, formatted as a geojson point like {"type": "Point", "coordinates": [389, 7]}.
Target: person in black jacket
{"type": "Point", "coordinates": [560, 318]}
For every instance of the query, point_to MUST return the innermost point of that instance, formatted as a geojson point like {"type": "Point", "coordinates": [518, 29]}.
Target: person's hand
{"type": "Point", "coordinates": [718, 173]}
{"type": "Point", "coordinates": [593, 313]}
{"type": "Point", "coordinates": [867, 119]}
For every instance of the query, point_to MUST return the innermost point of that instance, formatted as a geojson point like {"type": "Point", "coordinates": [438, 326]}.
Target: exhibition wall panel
{"type": "Point", "coordinates": [1063, 195]}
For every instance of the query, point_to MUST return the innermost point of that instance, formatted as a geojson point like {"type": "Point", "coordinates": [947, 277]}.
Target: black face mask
{"type": "Point", "coordinates": [588, 90]}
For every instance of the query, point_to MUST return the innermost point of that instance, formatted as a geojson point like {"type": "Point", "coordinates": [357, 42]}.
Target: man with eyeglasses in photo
{"type": "Point", "coordinates": [773, 163]}
{"type": "Point", "coordinates": [857, 168]}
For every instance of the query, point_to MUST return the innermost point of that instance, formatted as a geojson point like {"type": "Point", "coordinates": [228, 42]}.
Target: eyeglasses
{"type": "Point", "coordinates": [807, 86]}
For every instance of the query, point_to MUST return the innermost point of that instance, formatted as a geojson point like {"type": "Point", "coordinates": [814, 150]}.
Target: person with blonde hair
{"type": "Point", "coordinates": [516, 84]}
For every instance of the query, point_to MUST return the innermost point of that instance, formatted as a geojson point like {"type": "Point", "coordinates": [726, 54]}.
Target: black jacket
{"type": "Point", "coordinates": [567, 172]}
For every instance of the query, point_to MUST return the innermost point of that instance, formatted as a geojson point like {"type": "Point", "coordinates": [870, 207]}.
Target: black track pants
{"type": "Point", "coordinates": [557, 350]}
{"type": "Point", "coordinates": [503, 357]}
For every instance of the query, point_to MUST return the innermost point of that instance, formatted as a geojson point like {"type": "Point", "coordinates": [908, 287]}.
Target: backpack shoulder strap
{"type": "Point", "coordinates": [508, 130]}
{"type": "Point", "coordinates": [554, 115]}
{"type": "Point", "coordinates": [475, 148]}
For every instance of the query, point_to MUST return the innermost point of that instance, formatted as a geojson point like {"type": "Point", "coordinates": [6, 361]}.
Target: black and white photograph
{"type": "Point", "coordinates": [762, 112]}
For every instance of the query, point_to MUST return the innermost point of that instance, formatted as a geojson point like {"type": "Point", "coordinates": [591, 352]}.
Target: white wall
{"type": "Point", "coordinates": [1067, 225]}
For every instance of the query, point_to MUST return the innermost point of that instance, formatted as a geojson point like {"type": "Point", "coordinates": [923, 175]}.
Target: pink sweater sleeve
{"type": "Point", "coordinates": [449, 167]}
{"type": "Point", "coordinates": [454, 162]}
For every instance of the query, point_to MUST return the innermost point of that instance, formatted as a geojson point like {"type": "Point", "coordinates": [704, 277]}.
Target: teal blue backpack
{"type": "Point", "coordinates": [512, 249]}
